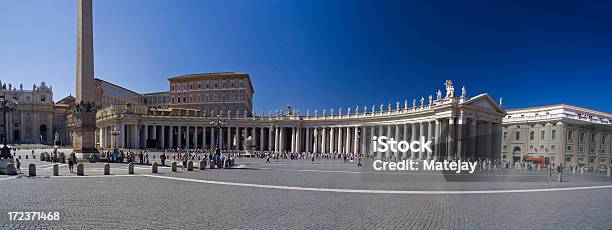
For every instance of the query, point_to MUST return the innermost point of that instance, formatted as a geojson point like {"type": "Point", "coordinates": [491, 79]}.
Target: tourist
{"type": "Point", "coordinates": [18, 163]}
{"type": "Point", "coordinates": [267, 158]}
{"type": "Point", "coordinates": [71, 160]}
{"type": "Point", "coordinates": [162, 158]}
{"type": "Point", "coordinates": [185, 159]}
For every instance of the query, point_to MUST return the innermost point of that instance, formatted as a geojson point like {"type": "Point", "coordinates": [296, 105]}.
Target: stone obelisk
{"type": "Point", "coordinates": [85, 58]}
{"type": "Point", "coordinates": [83, 114]}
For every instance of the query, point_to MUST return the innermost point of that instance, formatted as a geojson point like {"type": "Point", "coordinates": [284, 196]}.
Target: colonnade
{"type": "Point", "coordinates": [451, 138]}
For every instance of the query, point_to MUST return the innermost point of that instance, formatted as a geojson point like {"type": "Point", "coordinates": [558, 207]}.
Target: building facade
{"type": "Point", "coordinates": [210, 92]}
{"type": "Point", "coordinates": [31, 119]}
{"type": "Point", "coordinates": [156, 100]}
{"type": "Point", "coordinates": [110, 94]}
{"type": "Point", "coordinates": [562, 134]}
{"type": "Point", "coordinates": [459, 126]}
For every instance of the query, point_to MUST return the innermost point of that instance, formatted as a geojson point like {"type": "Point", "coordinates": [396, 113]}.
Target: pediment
{"type": "Point", "coordinates": [485, 102]}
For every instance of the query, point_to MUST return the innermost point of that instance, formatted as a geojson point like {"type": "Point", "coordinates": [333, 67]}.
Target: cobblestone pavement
{"type": "Point", "coordinates": [177, 200]}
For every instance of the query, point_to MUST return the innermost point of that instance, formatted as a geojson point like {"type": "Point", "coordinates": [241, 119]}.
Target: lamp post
{"type": "Point", "coordinates": [5, 152]}
{"type": "Point", "coordinates": [217, 123]}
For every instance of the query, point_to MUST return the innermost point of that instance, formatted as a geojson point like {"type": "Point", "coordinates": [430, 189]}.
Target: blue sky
{"type": "Point", "coordinates": [326, 54]}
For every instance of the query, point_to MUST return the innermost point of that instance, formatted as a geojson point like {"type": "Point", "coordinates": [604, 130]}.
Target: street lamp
{"type": "Point", "coordinates": [217, 123]}
{"type": "Point", "coordinates": [5, 152]}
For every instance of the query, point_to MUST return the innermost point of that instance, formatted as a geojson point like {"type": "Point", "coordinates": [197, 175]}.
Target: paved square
{"type": "Point", "coordinates": [297, 194]}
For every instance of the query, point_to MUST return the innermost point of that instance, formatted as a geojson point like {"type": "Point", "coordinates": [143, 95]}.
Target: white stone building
{"type": "Point", "coordinates": [461, 127]}
{"type": "Point", "coordinates": [31, 119]}
{"type": "Point", "coordinates": [562, 134]}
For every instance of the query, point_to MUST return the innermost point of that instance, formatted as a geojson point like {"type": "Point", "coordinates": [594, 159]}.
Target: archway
{"type": "Point", "coordinates": [43, 134]}
{"type": "Point", "coordinates": [16, 136]}
{"type": "Point", "coordinates": [516, 154]}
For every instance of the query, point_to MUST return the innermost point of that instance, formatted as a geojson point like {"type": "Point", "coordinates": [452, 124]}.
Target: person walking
{"type": "Point", "coordinates": [18, 163]}
{"type": "Point", "coordinates": [70, 163]}
{"type": "Point", "coordinates": [560, 171]}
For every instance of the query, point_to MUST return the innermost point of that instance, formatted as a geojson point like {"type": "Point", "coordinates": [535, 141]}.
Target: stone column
{"type": "Point", "coordinates": [22, 127]}
{"type": "Point", "coordinates": [488, 141]}
{"type": "Point", "coordinates": [460, 134]}
{"type": "Point", "coordinates": [405, 138]}
{"type": "Point", "coordinates": [203, 137]}
{"type": "Point", "coordinates": [229, 138]}
{"type": "Point", "coordinates": [212, 137]}
{"type": "Point", "coordinates": [238, 137]}
{"type": "Point", "coordinates": [371, 140]}
{"type": "Point", "coordinates": [195, 137]}
{"type": "Point", "coordinates": [187, 139]}
{"type": "Point", "coordinates": [355, 140]}
{"type": "Point", "coordinates": [496, 148]}
{"type": "Point", "coordinates": [50, 134]}
{"type": "Point", "coordinates": [323, 140]}
{"type": "Point", "coordinates": [137, 132]}
{"type": "Point", "coordinates": [450, 144]}
{"type": "Point", "coordinates": [122, 136]}
{"type": "Point", "coordinates": [282, 139]}
{"type": "Point", "coordinates": [270, 142]}
{"type": "Point", "coordinates": [261, 139]}
{"type": "Point", "coordinates": [35, 138]}
{"type": "Point", "coordinates": [316, 141]}
{"type": "Point", "coordinates": [340, 149]}
{"type": "Point", "coordinates": [347, 141]}
{"type": "Point", "coordinates": [254, 136]}
{"type": "Point", "coordinates": [296, 146]}
{"type": "Point", "coordinates": [146, 135]}
{"type": "Point", "coordinates": [473, 132]}
{"type": "Point", "coordinates": [307, 145]}
{"type": "Point", "coordinates": [396, 138]}
{"type": "Point", "coordinates": [101, 139]}
{"type": "Point", "coordinates": [331, 140]}
{"type": "Point", "coordinates": [430, 137]}
{"type": "Point", "coordinates": [413, 137]}
{"type": "Point", "coordinates": [276, 139]}
{"type": "Point", "coordinates": [422, 134]}
{"type": "Point", "coordinates": [162, 134]}
{"type": "Point", "coordinates": [9, 128]}
{"type": "Point", "coordinates": [380, 133]}
{"type": "Point", "coordinates": [437, 140]}
{"type": "Point", "coordinates": [179, 137]}
{"type": "Point", "coordinates": [170, 137]}
{"type": "Point", "coordinates": [362, 137]}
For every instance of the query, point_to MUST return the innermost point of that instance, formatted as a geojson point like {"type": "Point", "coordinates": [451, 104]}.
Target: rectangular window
{"type": "Point", "coordinates": [569, 148]}
{"type": "Point", "coordinates": [517, 135]}
{"type": "Point", "coordinates": [542, 135]}
{"type": "Point", "coordinates": [581, 138]}
{"type": "Point", "coordinates": [603, 139]}
{"type": "Point", "coordinates": [553, 135]}
{"type": "Point", "coordinates": [570, 135]}
{"type": "Point", "coordinates": [505, 135]}
{"type": "Point", "coordinates": [531, 135]}
{"type": "Point", "coordinates": [593, 137]}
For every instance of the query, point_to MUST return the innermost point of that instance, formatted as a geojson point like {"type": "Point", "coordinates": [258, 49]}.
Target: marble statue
{"type": "Point", "coordinates": [450, 89]}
